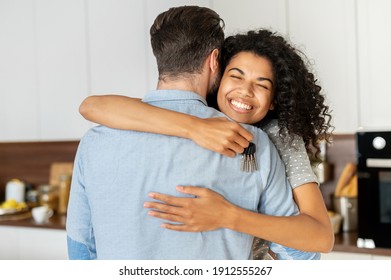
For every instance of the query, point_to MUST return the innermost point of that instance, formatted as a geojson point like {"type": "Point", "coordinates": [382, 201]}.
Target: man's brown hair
{"type": "Point", "coordinates": [183, 37]}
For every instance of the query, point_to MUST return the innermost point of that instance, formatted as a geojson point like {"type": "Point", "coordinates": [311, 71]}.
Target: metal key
{"type": "Point", "coordinates": [249, 161]}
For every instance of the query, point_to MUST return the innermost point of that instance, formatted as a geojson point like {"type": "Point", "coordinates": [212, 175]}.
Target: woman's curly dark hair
{"type": "Point", "coordinates": [299, 106]}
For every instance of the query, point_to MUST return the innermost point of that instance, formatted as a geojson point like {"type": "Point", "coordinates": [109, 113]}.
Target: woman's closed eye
{"type": "Point", "coordinates": [236, 77]}
{"type": "Point", "coordinates": [262, 86]}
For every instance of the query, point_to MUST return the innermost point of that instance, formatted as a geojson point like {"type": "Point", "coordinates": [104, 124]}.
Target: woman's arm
{"type": "Point", "coordinates": [217, 134]}
{"type": "Point", "coordinates": [209, 211]}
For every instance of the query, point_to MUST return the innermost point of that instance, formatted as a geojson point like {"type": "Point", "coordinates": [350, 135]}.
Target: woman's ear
{"type": "Point", "coordinates": [272, 105]}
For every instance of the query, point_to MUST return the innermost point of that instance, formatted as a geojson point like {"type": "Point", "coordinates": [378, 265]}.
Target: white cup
{"type": "Point", "coordinates": [41, 214]}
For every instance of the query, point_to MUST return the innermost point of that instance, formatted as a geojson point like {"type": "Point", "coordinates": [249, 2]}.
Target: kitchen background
{"type": "Point", "coordinates": [54, 53]}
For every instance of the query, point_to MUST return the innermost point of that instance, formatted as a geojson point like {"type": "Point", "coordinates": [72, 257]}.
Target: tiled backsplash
{"type": "Point", "coordinates": [341, 152]}
{"type": "Point", "coordinates": [31, 161]}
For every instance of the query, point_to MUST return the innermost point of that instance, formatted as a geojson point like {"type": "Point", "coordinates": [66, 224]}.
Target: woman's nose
{"type": "Point", "coordinates": [247, 91]}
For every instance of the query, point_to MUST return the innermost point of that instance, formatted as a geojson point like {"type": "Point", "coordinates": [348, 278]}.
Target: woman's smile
{"type": "Point", "coordinates": [239, 106]}
{"type": "Point", "coordinates": [246, 89]}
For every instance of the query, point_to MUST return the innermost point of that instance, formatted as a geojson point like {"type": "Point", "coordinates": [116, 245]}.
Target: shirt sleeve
{"type": "Point", "coordinates": [294, 156]}
{"type": "Point", "coordinates": [80, 235]}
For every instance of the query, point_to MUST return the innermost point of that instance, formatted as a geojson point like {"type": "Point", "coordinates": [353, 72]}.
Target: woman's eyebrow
{"type": "Point", "coordinates": [258, 79]}
{"type": "Point", "coordinates": [237, 69]}
{"type": "Point", "coordinates": [265, 79]}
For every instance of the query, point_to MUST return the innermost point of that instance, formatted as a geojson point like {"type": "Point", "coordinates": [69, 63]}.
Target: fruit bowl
{"type": "Point", "coordinates": [10, 207]}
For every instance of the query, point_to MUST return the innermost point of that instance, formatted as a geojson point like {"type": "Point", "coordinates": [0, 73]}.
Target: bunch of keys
{"type": "Point", "coordinates": [249, 161]}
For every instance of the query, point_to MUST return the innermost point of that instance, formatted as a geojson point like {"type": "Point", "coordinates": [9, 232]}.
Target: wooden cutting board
{"type": "Point", "coordinates": [347, 183]}
{"type": "Point", "coordinates": [57, 169]}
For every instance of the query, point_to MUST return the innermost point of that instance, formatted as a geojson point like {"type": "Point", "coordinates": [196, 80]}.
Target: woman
{"type": "Point", "coordinates": [265, 83]}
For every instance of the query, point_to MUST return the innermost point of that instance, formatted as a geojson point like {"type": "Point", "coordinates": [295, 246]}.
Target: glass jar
{"type": "Point", "coordinates": [48, 196]}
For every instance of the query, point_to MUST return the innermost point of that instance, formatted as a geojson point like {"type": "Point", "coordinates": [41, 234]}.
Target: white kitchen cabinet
{"type": "Point", "coordinates": [252, 14]}
{"type": "Point", "coordinates": [43, 72]}
{"type": "Point", "coordinates": [9, 243]}
{"type": "Point", "coordinates": [22, 243]}
{"type": "Point", "coordinates": [116, 44]}
{"type": "Point", "coordinates": [18, 84]}
{"type": "Point", "coordinates": [345, 256]}
{"type": "Point", "coordinates": [61, 67]}
{"type": "Point", "coordinates": [352, 256]}
{"type": "Point", "coordinates": [374, 45]}
{"type": "Point", "coordinates": [325, 31]}
{"type": "Point", "coordinates": [376, 257]}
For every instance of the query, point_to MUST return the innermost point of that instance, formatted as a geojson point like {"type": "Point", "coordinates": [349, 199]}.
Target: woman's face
{"type": "Point", "coordinates": [246, 89]}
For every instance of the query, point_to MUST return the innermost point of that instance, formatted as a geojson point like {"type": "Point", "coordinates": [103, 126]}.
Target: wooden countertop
{"type": "Point", "coordinates": [25, 220]}
{"type": "Point", "coordinates": [347, 242]}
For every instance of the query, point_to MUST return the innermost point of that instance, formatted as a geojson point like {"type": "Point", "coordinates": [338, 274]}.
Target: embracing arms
{"type": "Point", "coordinates": [311, 230]}
{"type": "Point", "coordinates": [308, 231]}
{"type": "Point", "coordinates": [217, 134]}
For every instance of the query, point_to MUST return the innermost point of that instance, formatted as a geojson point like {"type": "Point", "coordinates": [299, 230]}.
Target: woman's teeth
{"type": "Point", "coordinates": [241, 105]}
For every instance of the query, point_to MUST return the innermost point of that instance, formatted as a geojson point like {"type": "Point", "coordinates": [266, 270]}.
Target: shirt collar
{"type": "Point", "coordinates": [171, 95]}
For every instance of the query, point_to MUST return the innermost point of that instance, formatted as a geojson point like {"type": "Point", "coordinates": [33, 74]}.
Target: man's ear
{"type": "Point", "coordinates": [272, 105]}
{"type": "Point", "coordinates": [214, 60]}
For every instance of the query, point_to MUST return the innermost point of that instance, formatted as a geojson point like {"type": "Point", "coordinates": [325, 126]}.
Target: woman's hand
{"type": "Point", "coordinates": [207, 211]}
{"type": "Point", "coordinates": [220, 135]}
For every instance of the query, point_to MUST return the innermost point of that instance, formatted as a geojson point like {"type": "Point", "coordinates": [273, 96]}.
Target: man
{"type": "Point", "coordinates": [116, 169]}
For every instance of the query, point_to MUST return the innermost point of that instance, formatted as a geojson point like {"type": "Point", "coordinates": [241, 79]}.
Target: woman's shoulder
{"type": "Point", "coordinates": [278, 135]}
{"type": "Point", "coordinates": [271, 126]}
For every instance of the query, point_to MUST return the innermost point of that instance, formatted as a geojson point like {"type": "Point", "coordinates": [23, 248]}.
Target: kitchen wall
{"type": "Point", "coordinates": [54, 53]}
{"type": "Point", "coordinates": [31, 161]}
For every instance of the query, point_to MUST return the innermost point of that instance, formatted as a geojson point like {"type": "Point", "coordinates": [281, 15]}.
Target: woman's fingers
{"type": "Point", "coordinates": [193, 190]}
{"type": "Point", "coordinates": [165, 216]}
{"type": "Point", "coordinates": [221, 135]}
{"type": "Point", "coordinates": [162, 207]}
{"type": "Point", "coordinates": [181, 227]}
{"type": "Point", "coordinates": [245, 135]}
{"type": "Point", "coordinates": [168, 199]}
{"type": "Point", "coordinates": [200, 213]}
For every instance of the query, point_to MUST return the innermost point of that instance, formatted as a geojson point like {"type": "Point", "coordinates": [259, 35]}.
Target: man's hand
{"type": "Point", "coordinates": [221, 135]}
{"type": "Point", "coordinates": [207, 211]}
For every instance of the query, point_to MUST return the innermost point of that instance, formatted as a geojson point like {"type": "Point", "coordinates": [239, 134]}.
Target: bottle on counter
{"type": "Point", "coordinates": [64, 188]}
{"type": "Point", "coordinates": [16, 190]}
{"type": "Point", "coordinates": [32, 198]}
{"type": "Point", "coordinates": [48, 195]}
{"type": "Point", "coordinates": [321, 167]}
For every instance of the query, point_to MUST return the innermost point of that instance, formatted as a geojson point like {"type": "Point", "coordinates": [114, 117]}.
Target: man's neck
{"type": "Point", "coordinates": [194, 85]}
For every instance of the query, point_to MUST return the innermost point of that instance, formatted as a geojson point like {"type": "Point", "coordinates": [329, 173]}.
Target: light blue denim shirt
{"type": "Point", "coordinates": [116, 169]}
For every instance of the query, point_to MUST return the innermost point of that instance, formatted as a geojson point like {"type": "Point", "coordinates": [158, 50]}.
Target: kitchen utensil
{"type": "Point", "coordinates": [347, 183]}
{"type": "Point", "coordinates": [41, 214]}
{"type": "Point", "coordinates": [347, 208]}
